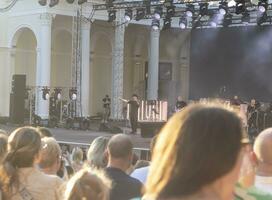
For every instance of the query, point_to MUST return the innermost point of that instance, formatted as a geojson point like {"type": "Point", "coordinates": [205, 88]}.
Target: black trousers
{"type": "Point", "coordinates": [133, 122]}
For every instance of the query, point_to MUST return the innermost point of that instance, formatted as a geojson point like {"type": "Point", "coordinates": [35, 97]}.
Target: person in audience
{"type": "Point", "coordinates": [77, 159]}
{"type": "Point", "coordinates": [50, 156]}
{"type": "Point", "coordinates": [87, 185]}
{"type": "Point", "coordinates": [198, 155]}
{"type": "Point", "coordinates": [263, 158]}
{"type": "Point", "coordinates": [45, 132]}
{"type": "Point", "coordinates": [3, 144]}
{"type": "Point", "coordinates": [141, 173]}
{"type": "Point", "coordinates": [96, 156]}
{"type": "Point", "coordinates": [19, 178]}
{"type": "Point", "coordinates": [120, 154]}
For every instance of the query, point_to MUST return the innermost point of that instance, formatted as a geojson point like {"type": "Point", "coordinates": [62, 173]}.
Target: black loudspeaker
{"type": "Point", "coordinates": [150, 129]}
{"type": "Point", "coordinates": [107, 127]}
{"type": "Point", "coordinates": [17, 98]}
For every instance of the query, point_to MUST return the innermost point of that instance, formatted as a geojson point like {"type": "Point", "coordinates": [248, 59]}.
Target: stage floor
{"type": "Point", "coordinates": [79, 136]}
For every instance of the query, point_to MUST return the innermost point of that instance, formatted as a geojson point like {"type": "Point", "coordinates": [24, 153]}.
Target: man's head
{"type": "Point", "coordinates": [235, 97]}
{"type": "Point", "coordinates": [135, 97]}
{"type": "Point", "coordinates": [179, 98]}
{"type": "Point", "coordinates": [263, 148]}
{"type": "Point", "coordinates": [253, 102]}
{"type": "Point", "coordinates": [49, 159]}
{"type": "Point", "coordinates": [120, 151]}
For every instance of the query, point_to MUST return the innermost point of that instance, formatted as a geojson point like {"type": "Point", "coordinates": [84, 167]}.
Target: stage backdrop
{"type": "Point", "coordinates": [231, 61]}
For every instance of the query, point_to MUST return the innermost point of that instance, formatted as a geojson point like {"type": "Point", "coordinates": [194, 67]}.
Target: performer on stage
{"type": "Point", "coordinates": [133, 112]}
{"type": "Point", "coordinates": [180, 104]}
{"type": "Point", "coordinates": [236, 101]}
{"type": "Point", "coordinates": [252, 114]}
{"type": "Point", "coordinates": [106, 106]}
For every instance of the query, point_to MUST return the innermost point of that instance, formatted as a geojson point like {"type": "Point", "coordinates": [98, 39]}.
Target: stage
{"type": "Point", "coordinates": [79, 136]}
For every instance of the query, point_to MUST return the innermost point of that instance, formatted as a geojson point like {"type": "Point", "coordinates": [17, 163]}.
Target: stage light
{"type": "Point", "coordinates": [227, 21]}
{"type": "Point", "coordinates": [240, 7]}
{"type": "Point", "coordinates": [81, 2]}
{"type": "Point", "coordinates": [190, 10]}
{"type": "Point", "coordinates": [245, 18]}
{"type": "Point", "coordinates": [42, 2]}
{"type": "Point", "coordinates": [170, 11]}
{"type": "Point", "coordinates": [262, 19]}
{"type": "Point", "coordinates": [203, 9]}
{"type": "Point", "coordinates": [158, 13]}
{"type": "Point", "coordinates": [262, 6]}
{"type": "Point", "coordinates": [73, 94]}
{"type": "Point", "coordinates": [140, 14]}
{"type": "Point", "coordinates": [111, 15]}
{"type": "Point", "coordinates": [128, 15]}
{"type": "Point", "coordinates": [70, 1]}
{"type": "Point", "coordinates": [223, 8]}
{"type": "Point", "coordinates": [45, 93]}
{"type": "Point", "coordinates": [183, 22]}
{"type": "Point", "coordinates": [155, 24]}
{"type": "Point", "coordinates": [167, 23]}
{"type": "Point", "coordinates": [57, 93]}
{"type": "Point", "coordinates": [53, 3]}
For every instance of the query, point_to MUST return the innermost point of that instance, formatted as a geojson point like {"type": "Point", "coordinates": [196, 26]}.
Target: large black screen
{"type": "Point", "coordinates": [237, 58]}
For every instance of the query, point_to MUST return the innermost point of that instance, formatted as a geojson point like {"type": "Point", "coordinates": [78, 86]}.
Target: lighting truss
{"type": "Point", "coordinates": [180, 8]}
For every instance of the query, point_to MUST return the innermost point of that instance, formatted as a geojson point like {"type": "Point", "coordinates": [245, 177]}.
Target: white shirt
{"type": "Point", "coordinates": [264, 183]}
{"type": "Point", "coordinates": [140, 174]}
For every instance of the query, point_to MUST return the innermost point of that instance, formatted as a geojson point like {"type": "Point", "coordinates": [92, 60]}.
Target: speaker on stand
{"type": "Point", "coordinates": [17, 99]}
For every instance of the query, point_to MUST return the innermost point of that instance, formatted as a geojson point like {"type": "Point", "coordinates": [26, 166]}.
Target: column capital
{"type": "Point", "coordinates": [85, 24]}
{"type": "Point", "coordinates": [155, 33]}
{"type": "Point", "coordinates": [46, 19]}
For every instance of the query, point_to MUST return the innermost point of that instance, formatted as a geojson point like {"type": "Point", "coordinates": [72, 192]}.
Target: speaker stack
{"type": "Point", "coordinates": [17, 98]}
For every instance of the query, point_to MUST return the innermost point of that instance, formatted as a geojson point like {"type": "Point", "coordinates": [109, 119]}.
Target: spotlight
{"type": "Point", "coordinates": [203, 9]}
{"type": "Point", "coordinates": [168, 3]}
{"type": "Point", "coordinates": [158, 13]}
{"type": "Point", "coordinates": [81, 2]}
{"type": "Point", "coordinates": [53, 3]}
{"type": "Point", "coordinates": [57, 93]}
{"type": "Point", "coordinates": [262, 19]}
{"type": "Point", "coordinates": [223, 8]}
{"type": "Point", "coordinates": [73, 94]}
{"type": "Point", "coordinates": [245, 18]}
{"type": "Point", "coordinates": [190, 10]}
{"type": "Point", "coordinates": [42, 2]}
{"type": "Point", "coordinates": [70, 1]}
{"type": "Point", "coordinates": [155, 24]}
{"type": "Point", "coordinates": [128, 15]}
{"type": "Point", "coordinates": [240, 7]}
{"type": "Point", "coordinates": [227, 21]}
{"type": "Point", "coordinates": [140, 14]}
{"type": "Point", "coordinates": [183, 22]}
{"type": "Point", "coordinates": [167, 23]}
{"type": "Point", "coordinates": [262, 6]}
{"type": "Point", "coordinates": [111, 15]}
{"type": "Point", "coordinates": [170, 11]}
{"type": "Point", "coordinates": [45, 93]}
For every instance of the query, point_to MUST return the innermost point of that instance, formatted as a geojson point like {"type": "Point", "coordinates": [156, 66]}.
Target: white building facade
{"type": "Point", "coordinates": [117, 60]}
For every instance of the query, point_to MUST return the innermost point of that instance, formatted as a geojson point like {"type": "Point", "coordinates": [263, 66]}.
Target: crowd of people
{"type": "Point", "coordinates": [202, 153]}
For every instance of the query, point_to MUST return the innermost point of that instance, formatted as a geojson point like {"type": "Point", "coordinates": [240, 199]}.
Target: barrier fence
{"type": "Point", "coordinates": [142, 153]}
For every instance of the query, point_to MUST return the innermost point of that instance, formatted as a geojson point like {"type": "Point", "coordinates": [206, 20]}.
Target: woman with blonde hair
{"type": "Point", "coordinates": [96, 155]}
{"type": "Point", "coordinates": [197, 156]}
{"type": "Point", "coordinates": [87, 185]}
{"type": "Point", "coordinates": [19, 178]}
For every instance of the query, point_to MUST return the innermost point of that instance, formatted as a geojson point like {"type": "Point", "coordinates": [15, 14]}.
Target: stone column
{"type": "Point", "coordinates": [85, 60]}
{"type": "Point", "coordinates": [118, 67]}
{"type": "Point", "coordinates": [43, 64]}
{"type": "Point", "coordinates": [153, 65]}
